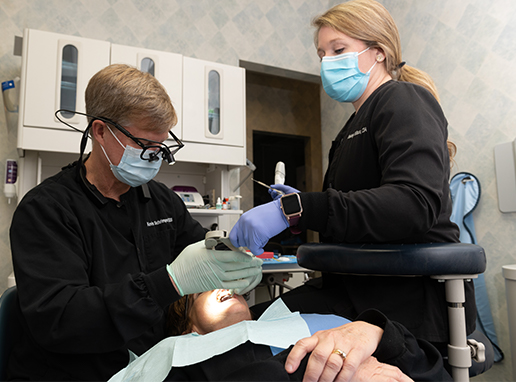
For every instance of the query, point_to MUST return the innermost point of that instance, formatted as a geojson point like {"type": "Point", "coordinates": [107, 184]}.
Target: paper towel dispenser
{"type": "Point", "coordinates": [505, 164]}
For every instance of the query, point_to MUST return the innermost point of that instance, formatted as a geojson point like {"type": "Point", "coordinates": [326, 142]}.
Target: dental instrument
{"type": "Point", "coordinates": [269, 187]}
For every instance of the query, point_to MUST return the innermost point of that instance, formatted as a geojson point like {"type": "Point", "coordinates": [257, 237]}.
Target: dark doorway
{"type": "Point", "coordinates": [268, 150]}
{"type": "Point", "coordinates": [283, 118]}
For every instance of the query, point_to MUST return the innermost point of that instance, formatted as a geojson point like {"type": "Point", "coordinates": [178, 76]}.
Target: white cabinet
{"type": "Point", "coordinates": [55, 72]}
{"type": "Point", "coordinates": [209, 99]}
{"type": "Point", "coordinates": [165, 66]}
{"type": "Point", "coordinates": [214, 110]}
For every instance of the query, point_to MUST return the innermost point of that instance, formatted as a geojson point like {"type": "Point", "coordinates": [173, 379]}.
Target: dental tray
{"type": "Point", "coordinates": [281, 264]}
{"type": "Point", "coordinates": [281, 260]}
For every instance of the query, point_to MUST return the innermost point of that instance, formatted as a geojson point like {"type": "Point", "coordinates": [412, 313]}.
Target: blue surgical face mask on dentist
{"type": "Point", "coordinates": [342, 79]}
{"type": "Point", "coordinates": [132, 169]}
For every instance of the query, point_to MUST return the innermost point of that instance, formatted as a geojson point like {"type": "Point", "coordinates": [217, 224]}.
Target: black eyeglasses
{"type": "Point", "coordinates": [152, 151]}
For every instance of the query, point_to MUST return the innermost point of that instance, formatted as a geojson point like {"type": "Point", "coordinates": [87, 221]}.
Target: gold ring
{"type": "Point", "coordinates": [341, 353]}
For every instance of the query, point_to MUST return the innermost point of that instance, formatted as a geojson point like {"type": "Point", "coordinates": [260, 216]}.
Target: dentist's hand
{"type": "Point", "coordinates": [283, 188]}
{"type": "Point", "coordinates": [254, 229]}
{"type": "Point", "coordinates": [253, 282]}
{"type": "Point", "coordinates": [198, 269]}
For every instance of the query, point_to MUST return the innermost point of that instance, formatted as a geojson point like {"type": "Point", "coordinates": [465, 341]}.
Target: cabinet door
{"type": "Point", "coordinates": [55, 72]}
{"type": "Point", "coordinates": [165, 66]}
{"type": "Point", "coordinates": [213, 103]}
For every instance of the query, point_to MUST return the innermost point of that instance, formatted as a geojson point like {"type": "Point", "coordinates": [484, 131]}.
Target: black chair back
{"type": "Point", "coordinates": [10, 328]}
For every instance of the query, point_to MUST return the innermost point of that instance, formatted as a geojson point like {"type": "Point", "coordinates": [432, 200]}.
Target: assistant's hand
{"type": "Point", "coordinates": [357, 339]}
{"type": "Point", "coordinates": [283, 188]}
{"type": "Point", "coordinates": [256, 226]}
{"type": "Point", "coordinates": [373, 371]}
{"type": "Point", "coordinates": [198, 269]}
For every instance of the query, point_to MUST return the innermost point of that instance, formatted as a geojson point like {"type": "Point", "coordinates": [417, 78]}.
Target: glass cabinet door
{"type": "Point", "coordinates": [69, 67]}
{"type": "Point", "coordinates": [214, 102]}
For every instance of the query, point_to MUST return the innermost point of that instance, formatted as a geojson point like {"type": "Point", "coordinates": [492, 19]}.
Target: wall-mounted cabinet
{"type": "Point", "coordinates": [165, 66]}
{"type": "Point", "coordinates": [213, 103]}
{"type": "Point", "coordinates": [55, 72]}
{"type": "Point", "coordinates": [213, 113]}
{"type": "Point", "coordinates": [209, 97]}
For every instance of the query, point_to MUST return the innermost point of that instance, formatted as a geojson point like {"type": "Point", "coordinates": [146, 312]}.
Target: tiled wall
{"type": "Point", "coordinates": [467, 46]}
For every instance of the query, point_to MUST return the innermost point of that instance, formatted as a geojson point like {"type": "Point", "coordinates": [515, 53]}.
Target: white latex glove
{"type": "Point", "coordinates": [198, 269]}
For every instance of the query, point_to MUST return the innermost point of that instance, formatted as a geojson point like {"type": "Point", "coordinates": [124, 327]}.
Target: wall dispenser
{"type": "Point", "coordinates": [505, 163]}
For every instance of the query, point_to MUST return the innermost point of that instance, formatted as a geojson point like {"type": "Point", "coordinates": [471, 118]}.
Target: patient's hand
{"type": "Point", "coordinates": [357, 339]}
{"type": "Point", "coordinates": [373, 371]}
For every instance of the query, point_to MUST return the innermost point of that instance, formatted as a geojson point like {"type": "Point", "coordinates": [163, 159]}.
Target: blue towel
{"type": "Point", "coordinates": [318, 322]}
{"type": "Point", "coordinates": [465, 193]}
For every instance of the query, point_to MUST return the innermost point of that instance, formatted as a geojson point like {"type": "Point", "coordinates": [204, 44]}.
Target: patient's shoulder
{"type": "Point", "coordinates": [318, 322]}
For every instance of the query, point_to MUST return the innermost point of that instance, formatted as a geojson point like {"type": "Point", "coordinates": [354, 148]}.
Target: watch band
{"type": "Point", "coordinates": [294, 221]}
{"type": "Point", "coordinates": [292, 216]}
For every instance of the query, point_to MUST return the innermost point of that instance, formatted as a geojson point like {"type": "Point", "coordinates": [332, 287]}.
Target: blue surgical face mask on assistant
{"type": "Point", "coordinates": [133, 170]}
{"type": "Point", "coordinates": [342, 79]}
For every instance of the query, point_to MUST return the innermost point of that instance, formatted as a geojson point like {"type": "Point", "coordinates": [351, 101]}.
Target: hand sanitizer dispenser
{"type": "Point", "coordinates": [10, 93]}
{"type": "Point", "coordinates": [505, 163]}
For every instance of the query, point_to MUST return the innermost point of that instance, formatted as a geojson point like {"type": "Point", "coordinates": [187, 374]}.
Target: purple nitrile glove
{"type": "Point", "coordinates": [255, 227]}
{"type": "Point", "coordinates": [283, 188]}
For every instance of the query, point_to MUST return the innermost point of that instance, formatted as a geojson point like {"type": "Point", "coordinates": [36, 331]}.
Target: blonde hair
{"type": "Point", "coordinates": [125, 94]}
{"type": "Point", "coordinates": [369, 22]}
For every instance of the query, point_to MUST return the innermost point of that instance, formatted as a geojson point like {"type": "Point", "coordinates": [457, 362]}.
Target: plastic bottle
{"type": "Point", "coordinates": [10, 94]}
{"type": "Point", "coordinates": [218, 206]}
{"type": "Point", "coordinates": [11, 175]}
{"type": "Point", "coordinates": [234, 201]}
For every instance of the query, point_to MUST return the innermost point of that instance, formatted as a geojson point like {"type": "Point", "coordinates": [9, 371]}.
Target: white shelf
{"type": "Point", "coordinates": [201, 211]}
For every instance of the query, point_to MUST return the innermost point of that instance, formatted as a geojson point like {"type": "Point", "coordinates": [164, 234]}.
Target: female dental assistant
{"type": "Point", "coordinates": [387, 179]}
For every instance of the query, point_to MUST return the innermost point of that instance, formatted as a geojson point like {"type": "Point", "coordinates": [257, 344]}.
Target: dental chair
{"type": "Point", "coordinates": [10, 329]}
{"type": "Point", "coordinates": [451, 263]}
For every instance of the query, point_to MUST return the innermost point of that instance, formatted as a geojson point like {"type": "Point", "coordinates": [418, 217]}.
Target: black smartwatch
{"type": "Point", "coordinates": [292, 209]}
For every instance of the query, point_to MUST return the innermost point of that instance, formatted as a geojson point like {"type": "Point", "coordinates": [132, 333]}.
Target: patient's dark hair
{"type": "Point", "coordinates": [177, 321]}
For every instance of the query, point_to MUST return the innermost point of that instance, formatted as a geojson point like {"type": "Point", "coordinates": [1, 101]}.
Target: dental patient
{"type": "Point", "coordinates": [379, 349]}
{"type": "Point", "coordinates": [206, 312]}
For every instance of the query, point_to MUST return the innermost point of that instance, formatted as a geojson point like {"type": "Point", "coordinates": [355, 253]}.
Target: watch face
{"type": "Point", "coordinates": [291, 204]}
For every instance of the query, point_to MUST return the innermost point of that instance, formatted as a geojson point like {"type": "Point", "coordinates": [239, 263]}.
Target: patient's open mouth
{"type": "Point", "coordinates": [224, 295]}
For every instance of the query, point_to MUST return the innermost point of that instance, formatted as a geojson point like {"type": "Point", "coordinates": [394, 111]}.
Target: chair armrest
{"type": "Point", "coordinates": [393, 259]}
